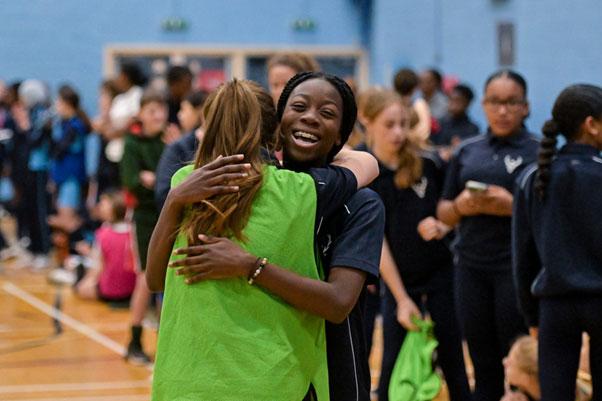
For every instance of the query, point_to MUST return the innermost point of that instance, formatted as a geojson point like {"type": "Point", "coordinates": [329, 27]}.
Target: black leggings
{"type": "Point", "coordinates": [440, 305]}
{"type": "Point", "coordinates": [561, 323]}
{"type": "Point", "coordinates": [490, 319]}
{"type": "Point", "coordinates": [36, 204]}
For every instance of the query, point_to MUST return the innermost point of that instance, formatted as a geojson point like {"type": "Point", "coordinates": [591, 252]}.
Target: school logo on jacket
{"type": "Point", "coordinates": [420, 187]}
{"type": "Point", "coordinates": [512, 164]}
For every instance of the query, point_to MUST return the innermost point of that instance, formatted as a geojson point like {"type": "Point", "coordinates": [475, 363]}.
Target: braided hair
{"type": "Point", "coordinates": [349, 105]}
{"type": "Point", "coordinates": [572, 107]}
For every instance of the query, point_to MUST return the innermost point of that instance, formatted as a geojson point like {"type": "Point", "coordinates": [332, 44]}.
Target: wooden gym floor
{"type": "Point", "coordinates": [56, 347]}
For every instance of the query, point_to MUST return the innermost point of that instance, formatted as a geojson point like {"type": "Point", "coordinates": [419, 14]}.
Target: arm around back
{"type": "Point", "coordinates": [362, 164]}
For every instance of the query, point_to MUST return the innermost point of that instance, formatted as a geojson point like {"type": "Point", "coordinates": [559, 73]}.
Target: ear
{"type": "Point", "coordinates": [338, 141]}
{"type": "Point", "coordinates": [592, 126]}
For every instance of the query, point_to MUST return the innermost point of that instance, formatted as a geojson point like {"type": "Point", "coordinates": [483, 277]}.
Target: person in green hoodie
{"type": "Point", "coordinates": [228, 339]}
{"type": "Point", "coordinates": [142, 151]}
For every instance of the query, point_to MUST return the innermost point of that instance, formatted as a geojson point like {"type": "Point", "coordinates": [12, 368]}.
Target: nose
{"type": "Point", "coordinates": [310, 117]}
{"type": "Point", "coordinates": [502, 109]}
{"type": "Point", "coordinates": [399, 131]}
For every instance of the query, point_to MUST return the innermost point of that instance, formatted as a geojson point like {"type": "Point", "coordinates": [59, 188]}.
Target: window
{"type": "Point", "coordinates": [211, 66]}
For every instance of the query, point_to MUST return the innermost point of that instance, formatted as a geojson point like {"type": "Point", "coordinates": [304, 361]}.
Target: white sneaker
{"type": "Point", "coordinates": [40, 262]}
{"type": "Point", "coordinates": [61, 276]}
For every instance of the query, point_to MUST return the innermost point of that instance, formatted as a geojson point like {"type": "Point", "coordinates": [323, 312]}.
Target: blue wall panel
{"type": "Point", "coordinates": [555, 43]}
{"type": "Point", "coordinates": [60, 41]}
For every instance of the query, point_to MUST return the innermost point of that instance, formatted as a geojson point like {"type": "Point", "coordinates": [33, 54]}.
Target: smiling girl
{"type": "Point", "coordinates": [227, 339]}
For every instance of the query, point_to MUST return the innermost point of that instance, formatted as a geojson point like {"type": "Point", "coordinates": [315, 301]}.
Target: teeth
{"type": "Point", "coordinates": [306, 135]}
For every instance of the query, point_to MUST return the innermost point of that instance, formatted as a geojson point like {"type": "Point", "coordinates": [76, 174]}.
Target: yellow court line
{"type": "Point", "coordinates": [50, 387]}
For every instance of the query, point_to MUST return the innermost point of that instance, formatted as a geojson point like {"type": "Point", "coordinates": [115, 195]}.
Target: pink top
{"type": "Point", "coordinates": [118, 277]}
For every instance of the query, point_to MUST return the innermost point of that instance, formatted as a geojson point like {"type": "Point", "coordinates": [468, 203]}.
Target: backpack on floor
{"type": "Point", "coordinates": [413, 377]}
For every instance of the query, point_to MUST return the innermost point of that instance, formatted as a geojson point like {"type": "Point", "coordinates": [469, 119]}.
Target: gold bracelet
{"type": "Point", "coordinates": [262, 263]}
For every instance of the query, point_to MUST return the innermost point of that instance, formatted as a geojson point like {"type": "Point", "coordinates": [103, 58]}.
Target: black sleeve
{"type": "Point", "coordinates": [334, 186]}
{"type": "Point", "coordinates": [452, 185]}
{"type": "Point", "coordinates": [360, 241]}
{"type": "Point", "coordinates": [169, 163]}
{"type": "Point", "coordinates": [439, 167]}
{"type": "Point", "coordinates": [526, 263]}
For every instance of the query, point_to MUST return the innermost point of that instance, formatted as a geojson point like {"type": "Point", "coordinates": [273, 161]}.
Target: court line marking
{"type": "Point", "coordinates": [65, 319]}
{"type": "Point", "coordinates": [50, 387]}
{"type": "Point", "coordinates": [102, 398]}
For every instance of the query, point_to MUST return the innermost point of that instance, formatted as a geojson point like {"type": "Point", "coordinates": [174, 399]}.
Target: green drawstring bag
{"type": "Point", "coordinates": [413, 378]}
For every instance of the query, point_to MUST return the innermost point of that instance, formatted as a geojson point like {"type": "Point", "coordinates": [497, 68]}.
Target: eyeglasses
{"type": "Point", "coordinates": [497, 104]}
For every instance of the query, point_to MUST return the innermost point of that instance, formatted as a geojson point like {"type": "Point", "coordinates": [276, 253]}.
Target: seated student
{"type": "Point", "coordinates": [456, 125]}
{"type": "Point", "coordinates": [522, 374]}
{"type": "Point", "coordinates": [113, 276]}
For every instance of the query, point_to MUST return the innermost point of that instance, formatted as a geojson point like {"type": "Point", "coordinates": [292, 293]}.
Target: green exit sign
{"type": "Point", "coordinates": [304, 24]}
{"type": "Point", "coordinates": [174, 24]}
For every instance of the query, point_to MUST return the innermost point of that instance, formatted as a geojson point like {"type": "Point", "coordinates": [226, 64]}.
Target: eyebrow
{"type": "Point", "coordinates": [501, 99]}
{"type": "Point", "coordinates": [303, 95]}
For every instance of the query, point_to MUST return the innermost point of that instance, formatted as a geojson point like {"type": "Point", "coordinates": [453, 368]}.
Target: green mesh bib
{"type": "Point", "coordinates": [226, 340]}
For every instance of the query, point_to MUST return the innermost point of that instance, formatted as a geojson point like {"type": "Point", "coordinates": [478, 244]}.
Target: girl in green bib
{"type": "Point", "coordinates": [228, 340]}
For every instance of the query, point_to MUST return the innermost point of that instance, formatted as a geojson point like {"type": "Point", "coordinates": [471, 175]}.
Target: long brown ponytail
{"type": "Point", "coordinates": [232, 126]}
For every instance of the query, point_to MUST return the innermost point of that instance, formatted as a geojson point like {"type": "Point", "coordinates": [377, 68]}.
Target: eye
{"type": "Point", "coordinates": [297, 106]}
{"type": "Point", "coordinates": [328, 113]}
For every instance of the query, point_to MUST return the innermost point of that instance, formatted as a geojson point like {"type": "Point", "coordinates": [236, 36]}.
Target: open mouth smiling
{"type": "Point", "coordinates": [304, 136]}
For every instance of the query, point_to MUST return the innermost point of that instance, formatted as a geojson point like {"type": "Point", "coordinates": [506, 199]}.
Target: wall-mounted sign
{"type": "Point", "coordinates": [505, 39]}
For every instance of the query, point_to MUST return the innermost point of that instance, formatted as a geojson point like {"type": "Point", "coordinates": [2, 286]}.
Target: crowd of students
{"type": "Point", "coordinates": [491, 235]}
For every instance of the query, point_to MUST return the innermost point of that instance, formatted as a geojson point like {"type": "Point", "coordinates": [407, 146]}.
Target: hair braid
{"type": "Point", "coordinates": [571, 108]}
{"type": "Point", "coordinates": [547, 151]}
